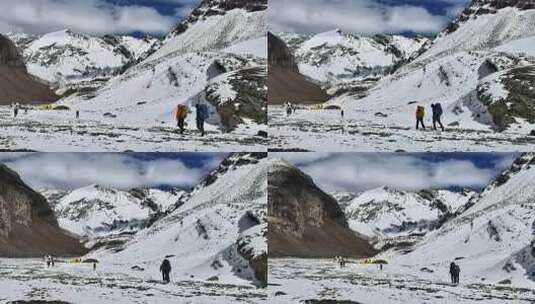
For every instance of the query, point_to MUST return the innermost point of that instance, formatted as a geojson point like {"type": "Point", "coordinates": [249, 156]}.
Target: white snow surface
{"type": "Point", "coordinates": [215, 33]}
{"type": "Point", "coordinates": [97, 211]}
{"type": "Point", "coordinates": [201, 235]}
{"type": "Point", "coordinates": [384, 212]}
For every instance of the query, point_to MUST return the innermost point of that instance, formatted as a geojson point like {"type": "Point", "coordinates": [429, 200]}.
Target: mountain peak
{"type": "Point", "coordinates": [209, 8]}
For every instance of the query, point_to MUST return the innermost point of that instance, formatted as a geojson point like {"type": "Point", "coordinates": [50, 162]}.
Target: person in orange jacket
{"type": "Point", "coordinates": [181, 114]}
{"type": "Point", "coordinates": [420, 114]}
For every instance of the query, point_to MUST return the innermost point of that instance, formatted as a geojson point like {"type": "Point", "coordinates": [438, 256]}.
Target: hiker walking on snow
{"type": "Point", "coordinates": [288, 109]}
{"type": "Point", "coordinates": [181, 114]}
{"type": "Point", "coordinates": [202, 115]}
{"type": "Point", "coordinates": [437, 113]}
{"type": "Point", "coordinates": [420, 114]}
{"type": "Point", "coordinates": [77, 114]}
{"type": "Point", "coordinates": [165, 269]}
{"type": "Point", "coordinates": [15, 111]}
{"type": "Point", "coordinates": [455, 270]}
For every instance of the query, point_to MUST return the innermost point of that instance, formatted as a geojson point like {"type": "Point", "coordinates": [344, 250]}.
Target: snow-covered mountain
{"type": "Point", "coordinates": [339, 59]}
{"type": "Point", "coordinates": [494, 240]}
{"type": "Point", "coordinates": [65, 57]}
{"type": "Point", "coordinates": [217, 56]}
{"type": "Point", "coordinates": [218, 233]}
{"type": "Point", "coordinates": [384, 213]}
{"type": "Point", "coordinates": [223, 66]}
{"type": "Point", "coordinates": [215, 25]}
{"type": "Point", "coordinates": [95, 211]}
{"type": "Point", "coordinates": [479, 69]}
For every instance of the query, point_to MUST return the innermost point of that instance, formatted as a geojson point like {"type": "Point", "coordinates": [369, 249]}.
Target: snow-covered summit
{"type": "Point", "coordinates": [97, 211]}
{"type": "Point", "coordinates": [334, 57]}
{"type": "Point", "coordinates": [385, 212]}
{"type": "Point", "coordinates": [65, 56]}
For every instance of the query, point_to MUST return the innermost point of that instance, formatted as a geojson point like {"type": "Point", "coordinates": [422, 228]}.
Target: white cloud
{"type": "Point", "coordinates": [87, 16]}
{"type": "Point", "coordinates": [362, 171]}
{"type": "Point", "coordinates": [123, 171]}
{"type": "Point", "coordinates": [360, 16]}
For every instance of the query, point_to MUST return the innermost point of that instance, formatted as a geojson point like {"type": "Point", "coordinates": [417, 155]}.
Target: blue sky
{"type": "Point", "coordinates": [414, 171]}
{"type": "Point", "coordinates": [117, 170]}
{"type": "Point", "coordinates": [425, 17]}
{"type": "Point", "coordinates": [155, 17]}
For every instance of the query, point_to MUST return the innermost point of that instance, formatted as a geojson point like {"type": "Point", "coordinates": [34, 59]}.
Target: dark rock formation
{"type": "Point", "coordinates": [28, 227]}
{"type": "Point", "coordinates": [306, 222]}
{"type": "Point", "coordinates": [285, 83]}
{"type": "Point", "coordinates": [250, 101]}
{"type": "Point", "coordinates": [520, 101]}
{"type": "Point", "coordinates": [16, 85]}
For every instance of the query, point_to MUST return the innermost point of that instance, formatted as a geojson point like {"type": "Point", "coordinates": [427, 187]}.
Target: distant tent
{"type": "Point", "coordinates": [332, 107]}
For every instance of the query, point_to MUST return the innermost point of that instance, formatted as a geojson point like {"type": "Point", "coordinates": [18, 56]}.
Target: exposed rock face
{"type": "Point", "coordinates": [248, 99]}
{"type": "Point", "coordinates": [16, 85]}
{"type": "Point", "coordinates": [304, 221]}
{"type": "Point", "coordinates": [519, 100]}
{"type": "Point", "coordinates": [247, 246]}
{"type": "Point", "coordinates": [28, 227]}
{"type": "Point", "coordinates": [9, 54]}
{"type": "Point", "coordinates": [280, 55]}
{"type": "Point", "coordinates": [285, 83]}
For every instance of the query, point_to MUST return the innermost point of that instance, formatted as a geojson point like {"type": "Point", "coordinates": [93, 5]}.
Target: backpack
{"type": "Point", "coordinates": [181, 111]}
{"type": "Point", "coordinates": [438, 109]}
{"type": "Point", "coordinates": [203, 111]}
{"type": "Point", "coordinates": [420, 112]}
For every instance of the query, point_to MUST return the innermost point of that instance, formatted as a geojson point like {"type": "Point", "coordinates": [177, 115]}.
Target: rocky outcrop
{"type": "Point", "coordinates": [306, 222]}
{"type": "Point", "coordinates": [248, 247]}
{"type": "Point", "coordinates": [28, 227]}
{"type": "Point", "coordinates": [509, 96]}
{"type": "Point", "coordinates": [240, 95]}
{"type": "Point", "coordinates": [285, 83]}
{"type": "Point", "coordinates": [16, 85]}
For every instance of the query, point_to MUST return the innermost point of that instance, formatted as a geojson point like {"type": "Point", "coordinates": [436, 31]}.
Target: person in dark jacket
{"type": "Point", "coordinates": [437, 114]}
{"type": "Point", "coordinates": [452, 272]}
{"type": "Point", "coordinates": [202, 115]}
{"type": "Point", "coordinates": [165, 269]}
{"type": "Point", "coordinates": [455, 271]}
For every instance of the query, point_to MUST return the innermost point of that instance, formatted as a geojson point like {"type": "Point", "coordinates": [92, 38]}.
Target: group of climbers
{"type": "Point", "coordinates": [202, 115]}
{"type": "Point", "coordinates": [436, 109]}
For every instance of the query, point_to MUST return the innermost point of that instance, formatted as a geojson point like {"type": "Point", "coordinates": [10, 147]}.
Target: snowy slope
{"type": "Point", "coordinates": [482, 26]}
{"type": "Point", "coordinates": [216, 24]}
{"type": "Point", "coordinates": [493, 240]}
{"type": "Point", "coordinates": [384, 212]}
{"type": "Point", "coordinates": [206, 45]}
{"type": "Point", "coordinates": [453, 71]}
{"type": "Point", "coordinates": [64, 56]}
{"type": "Point", "coordinates": [96, 211]}
{"type": "Point", "coordinates": [209, 234]}
{"type": "Point", "coordinates": [335, 57]}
